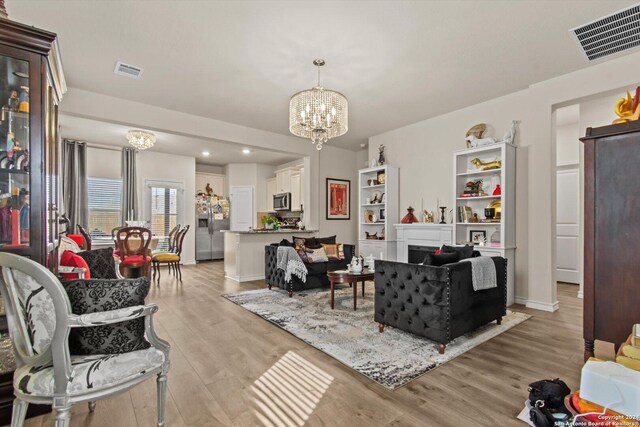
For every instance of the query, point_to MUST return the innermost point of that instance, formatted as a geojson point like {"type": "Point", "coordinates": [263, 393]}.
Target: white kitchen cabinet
{"type": "Point", "coordinates": [295, 191]}
{"type": "Point", "coordinates": [283, 180]}
{"type": "Point", "coordinates": [271, 190]}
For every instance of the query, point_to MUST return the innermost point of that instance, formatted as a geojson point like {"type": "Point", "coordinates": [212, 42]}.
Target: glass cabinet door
{"type": "Point", "coordinates": [14, 153]}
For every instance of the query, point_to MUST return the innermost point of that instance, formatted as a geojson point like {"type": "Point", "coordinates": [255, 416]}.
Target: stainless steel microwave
{"type": "Point", "coordinates": [282, 202]}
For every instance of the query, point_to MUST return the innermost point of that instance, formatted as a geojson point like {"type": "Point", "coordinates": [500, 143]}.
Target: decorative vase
{"type": "Point", "coordinates": [497, 191]}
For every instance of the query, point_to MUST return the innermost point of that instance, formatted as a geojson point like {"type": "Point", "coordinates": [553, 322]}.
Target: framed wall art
{"type": "Point", "coordinates": [338, 198]}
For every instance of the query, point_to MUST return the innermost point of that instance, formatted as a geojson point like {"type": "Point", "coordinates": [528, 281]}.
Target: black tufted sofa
{"type": "Point", "coordinates": [438, 303]}
{"type": "Point", "coordinates": [317, 272]}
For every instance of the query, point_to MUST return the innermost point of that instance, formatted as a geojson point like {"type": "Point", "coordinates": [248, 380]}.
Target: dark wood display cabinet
{"type": "Point", "coordinates": [611, 233]}
{"type": "Point", "coordinates": [31, 86]}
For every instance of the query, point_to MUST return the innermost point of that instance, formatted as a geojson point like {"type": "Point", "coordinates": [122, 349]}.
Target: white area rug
{"type": "Point", "coordinates": [392, 358]}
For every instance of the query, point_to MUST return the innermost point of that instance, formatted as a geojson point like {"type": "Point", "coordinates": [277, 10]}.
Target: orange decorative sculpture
{"type": "Point", "coordinates": [627, 108]}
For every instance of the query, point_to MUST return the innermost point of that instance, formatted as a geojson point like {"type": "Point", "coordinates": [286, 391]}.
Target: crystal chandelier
{"type": "Point", "coordinates": [141, 139]}
{"type": "Point", "coordinates": [318, 114]}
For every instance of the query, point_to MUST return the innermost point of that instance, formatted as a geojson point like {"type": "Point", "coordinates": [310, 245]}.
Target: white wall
{"type": "Point", "coordinates": [210, 169]}
{"type": "Point", "coordinates": [567, 143]}
{"type": "Point", "coordinates": [104, 163]}
{"type": "Point", "coordinates": [423, 151]}
{"type": "Point", "coordinates": [341, 164]}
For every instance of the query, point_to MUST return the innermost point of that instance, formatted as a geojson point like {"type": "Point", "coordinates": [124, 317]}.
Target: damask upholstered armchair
{"type": "Point", "coordinates": [40, 320]}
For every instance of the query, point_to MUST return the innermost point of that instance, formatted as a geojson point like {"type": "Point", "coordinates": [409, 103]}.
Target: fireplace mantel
{"type": "Point", "coordinates": [421, 234]}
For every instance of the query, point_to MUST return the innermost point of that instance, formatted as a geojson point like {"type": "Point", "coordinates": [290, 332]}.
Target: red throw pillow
{"type": "Point", "coordinates": [69, 259]}
{"type": "Point", "coordinates": [77, 238]}
{"type": "Point", "coordinates": [438, 251]}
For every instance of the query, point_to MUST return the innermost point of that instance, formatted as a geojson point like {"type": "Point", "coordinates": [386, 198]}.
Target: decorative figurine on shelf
{"type": "Point", "coordinates": [473, 189]}
{"type": "Point", "coordinates": [24, 216]}
{"type": "Point", "coordinates": [23, 106]}
{"type": "Point", "coordinates": [474, 218]}
{"type": "Point", "coordinates": [428, 216]}
{"type": "Point", "coordinates": [474, 142]}
{"type": "Point", "coordinates": [485, 166]}
{"type": "Point", "coordinates": [409, 218]}
{"type": "Point", "coordinates": [381, 159]}
{"type": "Point", "coordinates": [14, 101]}
{"type": "Point", "coordinates": [442, 219]}
{"type": "Point", "coordinates": [10, 143]}
{"type": "Point", "coordinates": [510, 135]}
{"type": "Point", "coordinates": [208, 189]}
{"type": "Point", "coordinates": [369, 236]}
{"type": "Point", "coordinates": [627, 108]}
{"type": "Point", "coordinates": [497, 191]}
{"type": "Point", "coordinates": [476, 132]}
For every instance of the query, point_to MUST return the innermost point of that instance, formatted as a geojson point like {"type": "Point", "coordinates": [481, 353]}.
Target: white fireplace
{"type": "Point", "coordinates": [421, 234]}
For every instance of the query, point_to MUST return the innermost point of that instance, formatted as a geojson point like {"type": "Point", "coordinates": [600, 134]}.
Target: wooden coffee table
{"type": "Point", "coordinates": [344, 276]}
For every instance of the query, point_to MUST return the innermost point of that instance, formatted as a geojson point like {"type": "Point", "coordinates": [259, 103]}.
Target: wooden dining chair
{"type": "Point", "coordinates": [116, 250]}
{"type": "Point", "coordinates": [86, 236]}
{"type": "Point", "coordinates": [172, 259]}
{"type": "Point", "coordinates": [133, 246]}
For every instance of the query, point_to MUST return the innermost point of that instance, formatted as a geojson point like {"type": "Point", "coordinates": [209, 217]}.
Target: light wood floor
{"type": "Point", "coordinates": [225, 361]}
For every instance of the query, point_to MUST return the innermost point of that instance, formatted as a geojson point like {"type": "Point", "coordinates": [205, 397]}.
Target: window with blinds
{"type": "Point", "coordinates": [105, 204]}
{"type": "Point", "coordinates": [164, 213]}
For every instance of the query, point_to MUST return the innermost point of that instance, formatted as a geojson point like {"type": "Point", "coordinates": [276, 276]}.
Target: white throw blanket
{"type": "Point", "coordinates": [289, 261]}
{"type": "Point", "coordinates": [483, 273]}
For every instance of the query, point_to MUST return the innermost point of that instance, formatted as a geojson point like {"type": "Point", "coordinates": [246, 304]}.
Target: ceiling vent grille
{"type": "Point", "coordinates": [128, 70]}
{"type": "Point", "coordinates": [610, 35]}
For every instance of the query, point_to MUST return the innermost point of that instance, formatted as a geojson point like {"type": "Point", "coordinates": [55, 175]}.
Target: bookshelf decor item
{"type": "Point", "coordinates": [338, 199]}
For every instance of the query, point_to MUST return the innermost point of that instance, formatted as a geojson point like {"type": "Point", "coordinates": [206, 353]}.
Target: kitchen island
{"type": "Point", "coordinates": [244, 251]}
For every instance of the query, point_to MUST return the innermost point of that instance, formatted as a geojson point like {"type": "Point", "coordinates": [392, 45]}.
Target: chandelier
{"type": "Point", "coordinates": [318, 114]}
{"type": "Point", "coordinates": [141, 139]}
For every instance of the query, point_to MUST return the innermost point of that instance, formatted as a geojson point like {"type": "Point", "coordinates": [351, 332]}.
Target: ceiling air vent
{"type": "Point", "coordinates": [610, 35]}
{"type": "Point", "coordinates": [127, 70]}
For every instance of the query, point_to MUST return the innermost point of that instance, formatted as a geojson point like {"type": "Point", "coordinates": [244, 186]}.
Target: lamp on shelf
{"type": "Point", "coordinates": [318, 114]}
{"type": "Point", "coordinates": [141, 139]}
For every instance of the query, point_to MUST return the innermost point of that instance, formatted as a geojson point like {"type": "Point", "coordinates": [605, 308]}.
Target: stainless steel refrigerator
{"type": "Point", "coordinates": [209, 238]}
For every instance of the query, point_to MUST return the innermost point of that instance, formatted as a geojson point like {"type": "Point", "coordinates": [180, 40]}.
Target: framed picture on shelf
{"type": "Point", "coordinates": [382, 214]}
{"type": "Point", "coordinates": [477, 236]}
{"type": "Point", "coordinates": [338, 198]}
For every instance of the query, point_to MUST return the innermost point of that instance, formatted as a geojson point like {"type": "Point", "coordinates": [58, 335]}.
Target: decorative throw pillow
{"type": "Point", "coordinates": [100, 262]}
{"type": "Point", "coordinates": [317, 255]}
{"type": "Point", "coordinates": [299, 241]}
{"type": "Point", "coordinates": [335, 251]}
{"type": "Point", "coordinates": [69, 259]}
{"type": "Point", "coordinates": [442, 259]}
{"type": "Point", "coordinates": [90, 296]}
{"type": "Point", "coordinates": [285, 242]}
{"type": "Point", "coordinates": [302, 253]}
{"type": "Point", "coordinates": [66, 244]}
{"type": "Point", "coordinates": [312, 243]}
{"type": "Point", "coordinates": [465, 251]}
{"type": "Point", "coordinates": [326, 240]}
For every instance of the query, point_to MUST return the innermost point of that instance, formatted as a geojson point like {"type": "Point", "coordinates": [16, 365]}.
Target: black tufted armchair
{"type": "Point", "coordinates": [317, 272]}
{"type": "Point", "coordinates": [438, 303]}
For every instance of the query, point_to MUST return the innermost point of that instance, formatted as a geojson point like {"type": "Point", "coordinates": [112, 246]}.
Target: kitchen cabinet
{"type": "Point", "coordinates": [295, 191]}
{"type": "Point", "coordinates": [283, 180]}
{"type": "Point", "coordinates": [271, 190]}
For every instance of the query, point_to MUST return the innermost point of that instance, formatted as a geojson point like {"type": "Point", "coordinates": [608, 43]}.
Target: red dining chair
{"type": "Point", "coordinates": [132, 244]}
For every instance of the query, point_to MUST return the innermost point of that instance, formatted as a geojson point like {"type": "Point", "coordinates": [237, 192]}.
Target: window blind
{"type": "Point", "coordinates": [105, 200]}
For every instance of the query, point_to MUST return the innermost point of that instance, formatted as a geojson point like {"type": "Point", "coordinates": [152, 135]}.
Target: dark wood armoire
{"type": "Point", "coordinates": [31, 86]}
{"type": "Point", "coordinates": [611, 233]}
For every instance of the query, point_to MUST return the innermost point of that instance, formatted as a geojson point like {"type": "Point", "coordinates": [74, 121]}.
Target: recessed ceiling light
{"type": "Point", "coordinates": [205, 153]}
{"type": "Point", "coordinates": [246, 151]}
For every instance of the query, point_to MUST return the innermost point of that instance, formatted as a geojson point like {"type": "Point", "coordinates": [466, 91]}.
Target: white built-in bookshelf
{"type": "Point", "coordinates": [500, 231]}
{"type": "Point", "coordinates": [377, 213]}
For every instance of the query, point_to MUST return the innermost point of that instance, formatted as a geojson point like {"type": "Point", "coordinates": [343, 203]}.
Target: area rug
{"type": "Point", "coordinates": [392, 358]}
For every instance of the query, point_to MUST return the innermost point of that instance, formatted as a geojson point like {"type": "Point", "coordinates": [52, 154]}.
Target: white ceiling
{"type": "Point", "coordinates": [398, 62]}
{"type": "Point", "coordinates": [221, 153]}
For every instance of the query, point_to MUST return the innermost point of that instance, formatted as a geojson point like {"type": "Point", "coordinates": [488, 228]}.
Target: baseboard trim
{"type": "Point", "coordinates": [245, 278]}
{"type": "Point", "coordinates": [189, 262]}
{"type": "Point", "coordinates": [581, 294]}
{"type": "Point", "coordinates": [520, 300]}
{"type": "Point", "coordinates": [544, 306]}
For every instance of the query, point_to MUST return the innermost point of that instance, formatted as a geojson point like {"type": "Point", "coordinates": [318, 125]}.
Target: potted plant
{"type": "Point", "coordinates": [270, 222]}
